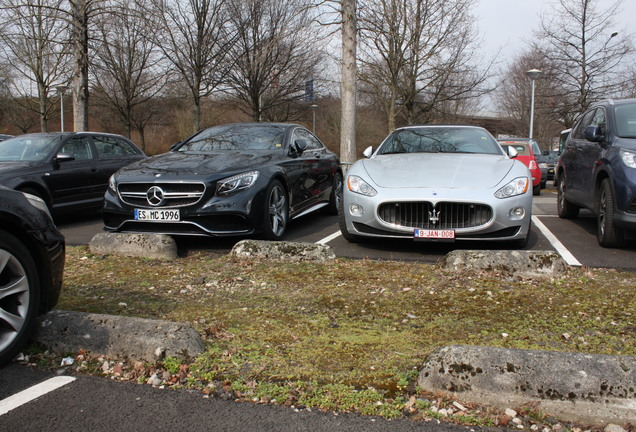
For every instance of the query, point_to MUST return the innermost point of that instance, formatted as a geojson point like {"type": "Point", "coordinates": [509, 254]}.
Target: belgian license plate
{"type": "Point", "coordinates": [157, 215]}
{"type": "Point", "coordinates": [434, 234]}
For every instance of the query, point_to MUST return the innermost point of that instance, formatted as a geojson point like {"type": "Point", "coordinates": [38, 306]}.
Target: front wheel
{"type": "Point", "coordinates": [19, 296]}
{"type": "Point", "coordinates": [276, 211]}
{"type": "Point", "coordinates": [608, 234]}
{"type": "Point", "coordinates": [336, 195]}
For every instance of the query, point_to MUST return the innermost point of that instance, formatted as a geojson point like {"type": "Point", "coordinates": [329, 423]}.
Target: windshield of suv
{"type": "Point", "coordinates": [436, 139]}
{"type": "Point", "coordinates": [236, 137]}
{"type": "Point", "coordinates": [626, 120]}
{"type": "Point", "coordinates": [27, 148]}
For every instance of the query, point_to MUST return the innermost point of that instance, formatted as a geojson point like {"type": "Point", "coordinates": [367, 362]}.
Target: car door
{"type": "Point", "coordinates": [572, 157]}
{"type": "Point", "coordinates": [590, 154]}
{"type": "Point", "coordinates": [71, 178]}
{"type": "Point", "coordinates": [113, 152]}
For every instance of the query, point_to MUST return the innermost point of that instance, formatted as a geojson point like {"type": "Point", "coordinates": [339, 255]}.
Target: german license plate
{"type": "Point", "coordinates": [151, 215]}
{"type": "Point", "coordinates": [434, 234]}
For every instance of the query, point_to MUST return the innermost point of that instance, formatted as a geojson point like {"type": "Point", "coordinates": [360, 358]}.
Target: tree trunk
{"type": "Point", "coordinates": [80, 68]}
{"type": "Point", "coordinates": [348, 83]}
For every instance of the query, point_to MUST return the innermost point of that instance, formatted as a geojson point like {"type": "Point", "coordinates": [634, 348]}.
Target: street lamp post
{"type": "Point", "coordinates": [313, 107]}
{"type": "Point", "coordinates": [61, 89]}
{"type": "Point", "coordinates": [533, 74]}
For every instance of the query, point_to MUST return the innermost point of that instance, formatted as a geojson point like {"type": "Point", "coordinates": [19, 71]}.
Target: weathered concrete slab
{"type": "Point", "coordinates": [116, 336]}
{"type": "Point", "coordinates": [155, 246]}
{"type": "Point", "coordinates": [282, 250]}
{"type": "Point", "coordinates": [583, 388]}
{"type": "Point", "coordinates": [529, 263]}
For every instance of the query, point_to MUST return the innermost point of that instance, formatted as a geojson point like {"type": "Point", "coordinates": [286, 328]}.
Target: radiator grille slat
{"type": "Point", "coordinates": [445, 215]}
{"type": "Point", "coordinates": [174, 194]}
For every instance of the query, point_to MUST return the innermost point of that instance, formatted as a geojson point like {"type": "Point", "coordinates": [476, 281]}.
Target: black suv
{"type": "Point", "coordinates": [597, 169]}
{"type": "Point", "coordinates": [31, 267]}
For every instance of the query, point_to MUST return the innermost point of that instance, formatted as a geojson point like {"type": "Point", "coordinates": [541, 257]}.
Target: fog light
{"type": "Point", "coordinates": [517, 213]}
{"type": "Point", "coordinates": [355, 210]}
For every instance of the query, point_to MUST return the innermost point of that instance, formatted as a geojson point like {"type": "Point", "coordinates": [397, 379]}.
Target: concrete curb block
{"type": "Point", "coordinates": [116, 336]}
{"type": "Point", "coordinates": [530, 263]}
{"type": "Point", "coordinates": [155, 246]}
{"type": "Point", "coordinates": [582, 388]}
{"type": "Point", "coordinates": [282, 250]}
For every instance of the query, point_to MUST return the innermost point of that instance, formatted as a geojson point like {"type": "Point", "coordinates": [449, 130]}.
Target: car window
{"type": "Point", "coordinates": [535, 148]}
{"type": "Point", "coordinates": [626, 120]}
{"type": "Point", "coordinates": [312, 142]}
{"type": "Point", "coordinates": [112, 147]}
{"type": "Point", "coordinates": [440, 140]}
{"type": "Point", "coordinates": [80, 147]}
{"type": "Point", "coordinates": [522, 148]}
{"type": "Point", "coordinates": [599, 120]}
{"type": "Point", "coordinates": [236, 137]}
{"type": "Point", "coordinates": [579, 130]}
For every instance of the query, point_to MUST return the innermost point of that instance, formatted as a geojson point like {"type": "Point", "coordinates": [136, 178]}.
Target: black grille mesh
{"type": "Point", "coordinates": [444, 215]}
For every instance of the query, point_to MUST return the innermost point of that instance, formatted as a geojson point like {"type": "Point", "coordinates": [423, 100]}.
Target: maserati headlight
{"type": "Point", "coordinates": [518, 186]}
{"type": "Point", "coordinates": [628, 157]}
{"type": "Point", "coordinates": [357, 185]}
{"type": "Point", "coordinates": [237, 183]}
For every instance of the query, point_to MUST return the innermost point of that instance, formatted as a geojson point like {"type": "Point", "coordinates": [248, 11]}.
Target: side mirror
{"type": "Point", "coordinates": [299, 146]}
{"type": "Point", "coordinates": [368, 152]}
{"type": "Point", "coordinates": [594, 133]}
{"type": "Point", "coordinates": [64, 157]}
{"type": "Point", "coordinates": [511, 151]}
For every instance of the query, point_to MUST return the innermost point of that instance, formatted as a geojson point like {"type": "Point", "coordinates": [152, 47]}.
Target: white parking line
{"type": "Point", "coordinates": [565, 254]}
{"type": "Point", "coordinates": [329, 238]}
{"type": "Point", "coordinates": [25, 396]}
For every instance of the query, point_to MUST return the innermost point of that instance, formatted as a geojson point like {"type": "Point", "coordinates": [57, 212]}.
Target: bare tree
{"type": "Point", "coordinates": [195, 37]}
{"type": "Point", "coordinates": [420, 56]}
{"type": "Point", "coordinates": [275, 55]}
{"type": "Point", "coordinates": [126, 67]}
{"type": "Point", "coordinates": [513, 96]}
{"type": "Point", "coordinates": [589, 51]}
{"type": "Point", "coordinates": [348, 82]}
{"type": "Point", "coordinates": [33, 39]}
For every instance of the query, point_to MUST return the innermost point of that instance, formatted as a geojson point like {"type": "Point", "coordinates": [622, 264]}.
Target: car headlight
{"type": "Point", "coordinates": [628, 157]}
{"type": "Point", "coordinates": [357, 185]}
{"type": "Point", "coordinates": [518, 186]}
{"type": "Point", "coordinates": [237, 183]}
{"type": "Point", "coordinates": [111, 183]}
{"type": "Point", "coordinates": [38, 203]}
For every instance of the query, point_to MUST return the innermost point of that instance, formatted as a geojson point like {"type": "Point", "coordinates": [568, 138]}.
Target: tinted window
{"type": "Point", "coordinates": [112, 147]}
{"type": "Point", "coordinates": [236, 137]}
{"type": "Point", "coordinates": [626, 121]}
{"type": "Point", "coordinates": [579, 130]}
{"type": "Point", "coordinates": [312, 142]}
{"type": "Point", "coordinates": [440, 140]}
{"type": "Point", "coordinates": [79, 147]}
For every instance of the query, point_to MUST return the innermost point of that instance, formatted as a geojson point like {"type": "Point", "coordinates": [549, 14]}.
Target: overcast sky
{"type": "Point", "coordinates": [506, 24]}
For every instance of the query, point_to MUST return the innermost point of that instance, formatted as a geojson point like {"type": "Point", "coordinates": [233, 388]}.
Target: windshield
{"type": "Point", "coordinates": [236, 137]}
{"type": "Point", "coordinates": [440, 140]}
{"type": "Point", "coordinates": [27, 148]}
{"type": "Point", "coordinates": [626, 121]}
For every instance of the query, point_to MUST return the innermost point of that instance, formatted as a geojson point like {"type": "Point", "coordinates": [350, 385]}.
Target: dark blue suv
{"type": "Point", "coordinates": [597, 169]}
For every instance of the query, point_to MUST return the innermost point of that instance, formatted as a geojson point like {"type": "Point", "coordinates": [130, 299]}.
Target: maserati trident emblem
{"type": "Point", "coordinates": [433, 216]}
{"type": "Point", "coordinates": [155, 196]}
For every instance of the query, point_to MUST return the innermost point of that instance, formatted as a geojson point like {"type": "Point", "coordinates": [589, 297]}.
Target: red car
{"type": "Point", "coordinates": [526, 149]}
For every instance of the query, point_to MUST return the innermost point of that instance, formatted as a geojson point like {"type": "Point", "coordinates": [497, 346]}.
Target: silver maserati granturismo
{"type": "Point", "coordinates": [438, 183]}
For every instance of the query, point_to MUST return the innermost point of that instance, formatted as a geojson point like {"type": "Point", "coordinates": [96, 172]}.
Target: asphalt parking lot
{"type": "Point", "coordinates": [574, 239]}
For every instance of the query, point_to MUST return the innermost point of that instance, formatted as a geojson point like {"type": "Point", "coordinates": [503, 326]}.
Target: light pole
{"type": "Point", "coordinates": [533, 74]}
{"type": "Point", "coordinates": [61, 89]}
{"type": "Point", "coordinates": [313, 107]}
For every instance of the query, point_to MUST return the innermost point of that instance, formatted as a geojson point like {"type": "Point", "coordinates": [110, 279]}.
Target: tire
{"type": "Point", "coordinates": [336, 195]}
{"type": "Point", "coordinates": [565, 209]}
{"type": "Point", "coordinates": [19, 296]}
{"type": "Point", "coordinates": [536, 190]}
{"type": "Point", "coordinates": [608, 234]}
{"type": "Point", "coordinates": [351, 238]}
{"type": "Point", "coordinates": [276, 211]}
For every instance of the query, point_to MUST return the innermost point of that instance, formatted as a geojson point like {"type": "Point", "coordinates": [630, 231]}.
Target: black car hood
{"type": "Point", "coordinates": [177, 164]}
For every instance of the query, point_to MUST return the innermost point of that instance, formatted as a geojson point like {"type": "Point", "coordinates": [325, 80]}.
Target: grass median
{"type": "Point", "coordinates": [348, 335]}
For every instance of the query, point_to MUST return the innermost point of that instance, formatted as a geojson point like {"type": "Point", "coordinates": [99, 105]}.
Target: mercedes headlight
{"type": "Point", "coordinates": [357, 185]}
{"type": "Point", "coordinates": [237, 183]}
{"type": "Point", "coordinates": [518, 186]}
{"type": "Point", "coordinates": [38, 203]}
